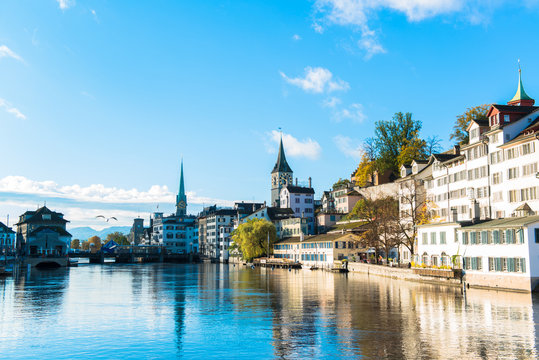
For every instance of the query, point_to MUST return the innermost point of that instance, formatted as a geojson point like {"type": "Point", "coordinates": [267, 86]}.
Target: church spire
{"type": "Point", "coordinates": [181, 199]}
{"type": "Point", "coordinates": [281, 165]}
{"type": "Point", "coordinates": [521, 98]}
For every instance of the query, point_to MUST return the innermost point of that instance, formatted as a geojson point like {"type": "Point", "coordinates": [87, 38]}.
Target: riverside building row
{"type": "Point", "coordinates": [481, 197]}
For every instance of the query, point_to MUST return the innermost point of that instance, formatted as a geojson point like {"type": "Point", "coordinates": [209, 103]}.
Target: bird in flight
{"type": "Point", "coordinates": [106, 218]}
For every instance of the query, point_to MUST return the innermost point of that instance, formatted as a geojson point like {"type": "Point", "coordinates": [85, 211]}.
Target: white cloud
{"type": "Point", "coordinates": [317, 80]}
{"type": "Point", "coordinates": [65, 4]}
{"type": "Point", "coordinates": [348, 146]}
{"type": "Point", "coordinates": [359, 14]}
{"type": "Point", "coordinates": [370, 44]}
{"type": "Point", "coordinates": [7, 52]}
{"type": "Point", "coordinates": [331, 102]}
{"type": "Point", "coordinates": [98, 192]}
{"type": "Point", "coordinates": [354, 112]}
{"type": "Point", "coordinates": [318, 28]}
{"type": "Point", "coordinates": [12, 110]}
{"type": "Point", "coordinates": [308, 148]}
{"type": "Point", "coordinates": [296, 37]}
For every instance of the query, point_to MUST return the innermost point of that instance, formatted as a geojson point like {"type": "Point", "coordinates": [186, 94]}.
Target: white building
{"type": "Point", "coordinates": [177, 233]}
{"type": "Point", "coordinates": [502, 253]}
{"type": "Point", "coordinates": [495, 174]}
{"type": "Point", "coordinates": [215, 221]}
{"type": "Point", "coordinates": [301, 201]}
{"type": "Point", "coordinates": [319, 251]}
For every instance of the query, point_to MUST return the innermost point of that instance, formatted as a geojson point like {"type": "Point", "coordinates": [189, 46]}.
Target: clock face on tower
{"type": "Point", "coordinates": [182, 204]}
{"type": "Point", "coordinates": [284, 179]}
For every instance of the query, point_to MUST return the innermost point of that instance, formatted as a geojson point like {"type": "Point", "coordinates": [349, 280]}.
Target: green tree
{"type": "Point", "coordinates": [342, 183]}
{"type": "Point", "coordinates": [395, 142]}
{"type": "Point", "coordinates": [459, 134]}
{"type": "Point", "coordinates": [391, 137]}
{"type": "Point", "coordinates": [118, 238]}
{"type": "Point", "coordinates": [95, 241]}
{"type": "Point", "coordinates": [75, 244]}
{"type": "Point", "coordinates": [85, 245]}
{"type": "Point", "coordinates": [251, 238]}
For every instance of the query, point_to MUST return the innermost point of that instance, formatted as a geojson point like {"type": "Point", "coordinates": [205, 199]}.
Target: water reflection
{"type": "Point", "coordinates": [220, 311]}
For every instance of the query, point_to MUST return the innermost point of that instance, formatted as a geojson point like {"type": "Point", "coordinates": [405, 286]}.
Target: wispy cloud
{"type": "Point", "coordinates": [317, 80]}
{"type": "Point", "coordinates": [94, 14]}
{"type": "Point", "coordinates": [358, 14]}
{"type": "Point", "coordinates": [7, 52]}
{"type": "Point", "coordinates": [353, 112]}
{"type": "Point", "coordinates": [296, 37]}
{"type": "Point", "coordinates": [331, 102]}
{"type": "Point", "coordinates": [98, 192]}
{"type": "Point", "coordinates": [294, 147]}
{"type": "Point", "coordinates": [65, 4]}
{"type": "Point", "coordinates": [12, 110]}
{"type": "Point", "coordinates": [347, 146]}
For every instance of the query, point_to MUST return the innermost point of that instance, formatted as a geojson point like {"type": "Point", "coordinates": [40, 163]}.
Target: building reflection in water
{"type": "Point", "coordinates": [220, 311]}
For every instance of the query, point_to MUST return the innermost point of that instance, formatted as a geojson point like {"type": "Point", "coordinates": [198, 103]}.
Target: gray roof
{"type": "Point", "coordinates": [505, 222]}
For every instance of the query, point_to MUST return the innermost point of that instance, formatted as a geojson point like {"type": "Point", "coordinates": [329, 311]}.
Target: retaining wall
{"type": "Point", "coordinates": [447, 277]}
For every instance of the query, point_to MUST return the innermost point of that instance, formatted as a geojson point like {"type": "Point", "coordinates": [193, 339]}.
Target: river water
{"type": "Point", "coordinates": [167, 311]}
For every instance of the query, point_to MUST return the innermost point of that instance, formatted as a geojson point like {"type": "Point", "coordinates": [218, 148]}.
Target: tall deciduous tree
{"type": "Point", "coordinates": [85, 245]}
{"type": "Point", "coordinates": [459, 134]}
{"type": "Point", "coordinates": [118, 238]}
{"type": "Point", "coordinates": [251, 238]}
{"type": "Point", "coordinates": [395, 142]}
{"type": "Point", "coordinates": [75, 244]}
{"type": "Point", "coordinates": [391, 137]}
{"type": "Point", "coordinates": [381, 217]}
{"type": "Point", "coordinates": [414, 211]}
{"type": "Point", "coordinates": [95, 241]}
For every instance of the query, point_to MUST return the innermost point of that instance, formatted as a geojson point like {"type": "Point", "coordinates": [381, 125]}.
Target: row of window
{"type": "Point", "coordinates": [282, 247]}
{"type": "Point", "coordinates": [178, 236]}
{"type": "Point", "coordinates": [486, 237]}
{"type": "Point", "coordinates": [507, 264]}
{"type": "Point", "coordinates": [313, 257]}
{"type": "Point", "coordinates": [322, 245]}
{"type": "Point", "coordinates": [523, 194]}
{"type": "Point", "coordinates": [425, 239]}
{"type": "Point", "coordinates": [283, 256]}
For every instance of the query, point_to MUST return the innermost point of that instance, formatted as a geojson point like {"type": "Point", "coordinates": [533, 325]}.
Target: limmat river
{"type": "Point", "coordinates": [207, 311]}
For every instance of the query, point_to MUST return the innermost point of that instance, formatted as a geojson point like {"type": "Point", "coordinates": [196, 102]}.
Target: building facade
{"type": "Point", "coordinates": [319, 251]}
{"type": "Point", "coordinates": [7, 239]}
{"type": "Point", "coordinates": [301, 201]}
{"type": "Point", "coordinates": [42, 233]}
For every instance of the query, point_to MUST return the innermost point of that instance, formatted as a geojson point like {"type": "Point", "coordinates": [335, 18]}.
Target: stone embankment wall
{"type": "Point", "coordinates": [440, 277]}
{"type": "Point", "coordinates": [446, 277]}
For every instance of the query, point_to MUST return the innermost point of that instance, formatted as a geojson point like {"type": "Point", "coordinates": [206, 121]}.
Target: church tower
{"type": "Point", "coordinates": [281, 176]}
{"type": "Point", "coordinates": [521, 98]}
{"type": "Point", "coordinates": [181, 199]}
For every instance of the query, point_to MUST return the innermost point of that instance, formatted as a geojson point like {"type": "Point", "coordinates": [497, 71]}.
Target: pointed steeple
{"type": "Point", "coordinates": [521, 98]}
{"type": "Point", "coordinates": [181, 199]}
{"type": "Point", "coordinates": [281, 165]}
{"type": "Point", "coordinates": [182, 188]}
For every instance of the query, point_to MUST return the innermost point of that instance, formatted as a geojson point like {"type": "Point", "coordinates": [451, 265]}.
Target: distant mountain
{"type": "Point", "coordinates": [85, 232]}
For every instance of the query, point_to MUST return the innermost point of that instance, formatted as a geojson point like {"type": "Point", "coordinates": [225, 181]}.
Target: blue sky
{"type": "Point", "coordinates": [100, 99]}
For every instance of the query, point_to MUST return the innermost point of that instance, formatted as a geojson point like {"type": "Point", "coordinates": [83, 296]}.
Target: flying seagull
{"type": "Point", "coordinates": [106, 218]}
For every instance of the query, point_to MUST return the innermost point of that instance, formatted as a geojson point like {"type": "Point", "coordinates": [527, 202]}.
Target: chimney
{"type": "Point", "coordinates": [456, 150]}
{"type": "Point", "coordinates": [264, 203]}
{"type": "Point", "coordinates": [296, 181]}
{"type": "Point", "coordinates": [454, 215]}
{"type": "Point", "coordinates": [310, 182]}
{"type": "Point", "coordinates": [475, 211]}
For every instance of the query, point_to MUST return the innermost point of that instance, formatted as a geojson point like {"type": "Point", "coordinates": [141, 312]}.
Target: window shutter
{"type": "Point", "coordinates": [510, 264]}
{"type": "Point", "coordinates": [523, 265]}
{"type": "Point", "coordinates": [520, 233]}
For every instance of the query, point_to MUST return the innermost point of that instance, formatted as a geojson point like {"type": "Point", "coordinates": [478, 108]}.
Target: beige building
{"type": "Point", "coordinates": [321, 250]}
